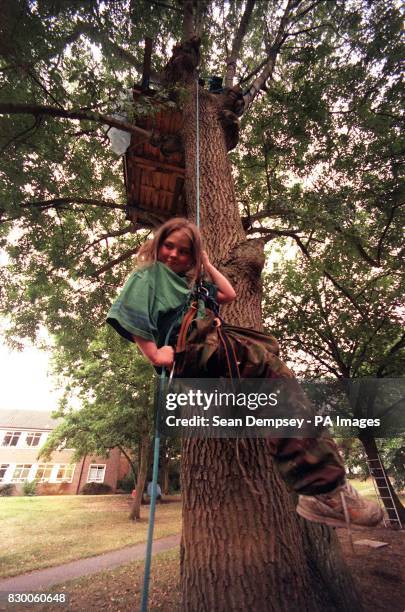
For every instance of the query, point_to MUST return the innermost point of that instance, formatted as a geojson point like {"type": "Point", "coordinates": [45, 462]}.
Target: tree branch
{"type": "Point", "coordinates": [360, 357]}
{"type": "Point", "coordinates": [18, 136]}
{"type": "Point", "coordinates": [100, 36]}
{"type": "Point", "coordinates": [355, 240]}
{"type": "Point", "coordinates": [386, 228]}
{"type": "Point", "coordinates": [169, 6]}
{"type": "Point", "coordinates": [394, 349]}
{"type": "Point", "coordinates": [317, 357]}
{"type": "Point", "coordinates": [38, 110]}
{"type": "Point", "coordinates": [306, 30]}
{"type": "Point", "coordinates": [249, 219]}
{"type": "Point", "coordinates": [254, 71]}
{"type": "Point", "coordinates": [329, 338]}
{"type": "Point", "coordinates": [273, 233]}
{"type": "Point", "coordinates": [258, 83]}
{"type": "Point", "coordinates": [188, 20]}
{"type": "Point", "coordinates": [274, 49]}
{"type": "Point", "coordinates": [305, 11]}
{"type": "Point", "coordinates": [237, 43]}
{"type": "Point", "coordinates": [72, 200]}
{"type": "Point", "coordinates": [121, 232]}
{"type": "Point", "coordinates": [115, 262]}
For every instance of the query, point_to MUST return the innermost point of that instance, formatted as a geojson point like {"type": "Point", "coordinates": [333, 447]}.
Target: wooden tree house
{"type": "Point", "coordinates": [154, 180]}
{"type": "Point", "coordinates": [154, 175]}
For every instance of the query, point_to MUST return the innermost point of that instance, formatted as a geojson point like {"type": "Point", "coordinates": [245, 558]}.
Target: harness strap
{"type": "Point", "coordinates": [231, 360]}
{"type": "Point", "coordinates": [229, 352]}
{"type": "Point", "coordinates": [184, 327]}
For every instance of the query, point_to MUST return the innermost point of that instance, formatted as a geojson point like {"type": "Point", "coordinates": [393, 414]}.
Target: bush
{"type": "Point", "coordinates": [29, 488]}
{"type": "Point", "coordinates": [6, 490]}
{"type": "Point", "coordinates": [127, 483]}
{"type": "Point", "coordinates": [95, 488]}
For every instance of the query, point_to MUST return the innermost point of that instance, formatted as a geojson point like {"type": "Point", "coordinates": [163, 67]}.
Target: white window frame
{"type": "Point", "coordinates": [45, 467]}
{"type": "Point", "coordinates": [6, 475]}
{"type": "Point", "coordinates": [22, 467]}
{"type": "Point", "coordinates": [36, 435]}
{"type": "Point", "coordinates": [97, 466]}
{"type": "Point", "coordinates": [67, 467]}
{"type": "Point", "coordinates": [12, 433]}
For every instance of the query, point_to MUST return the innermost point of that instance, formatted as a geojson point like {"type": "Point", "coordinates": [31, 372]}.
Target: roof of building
{"type": "Point", "coordinates": [27, 419]}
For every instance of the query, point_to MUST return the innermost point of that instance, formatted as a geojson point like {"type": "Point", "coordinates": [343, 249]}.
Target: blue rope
{"type": "Point", "coordinates": [148, 555]}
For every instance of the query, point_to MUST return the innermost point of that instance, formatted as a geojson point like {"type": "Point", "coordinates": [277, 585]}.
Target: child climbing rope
{"type": "Point", "coordinates": [153, 301]}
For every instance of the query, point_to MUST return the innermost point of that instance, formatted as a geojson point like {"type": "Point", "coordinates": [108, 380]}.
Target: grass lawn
{"type": "Point", "coordinates": [49, 530]}
{"type": "Point", "coordinates": [366, 488]}
{"type": "Point", "coordinates": [119, 590]}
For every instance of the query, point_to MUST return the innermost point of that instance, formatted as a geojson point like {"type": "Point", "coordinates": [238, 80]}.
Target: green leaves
{"type": "Point", "coordinates": [318, 166]}
{"type": "Point", "coordinates": [115, 387]}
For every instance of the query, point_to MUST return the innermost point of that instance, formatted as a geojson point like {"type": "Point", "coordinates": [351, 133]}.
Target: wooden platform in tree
{"type": "Point", "coordinates": [154, 181]}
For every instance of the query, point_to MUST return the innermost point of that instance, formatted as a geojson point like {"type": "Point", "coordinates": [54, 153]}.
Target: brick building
{"type": "Point", "coordinates": [24, 432]}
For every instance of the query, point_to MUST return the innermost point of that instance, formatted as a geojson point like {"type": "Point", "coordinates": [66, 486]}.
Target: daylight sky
{"type": "Point", "coordinates": [25, 383]}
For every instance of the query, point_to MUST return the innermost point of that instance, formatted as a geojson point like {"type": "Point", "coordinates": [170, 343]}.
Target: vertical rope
{"type": "Point", "coordinates": [148, 555]}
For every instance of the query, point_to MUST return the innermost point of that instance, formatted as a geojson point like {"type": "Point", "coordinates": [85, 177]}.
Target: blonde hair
{"type": "Point", "coordinates": [148, 253]}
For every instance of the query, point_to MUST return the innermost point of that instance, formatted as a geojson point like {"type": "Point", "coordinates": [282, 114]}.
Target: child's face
{"type": "Point", "coordinates": [176, 252]}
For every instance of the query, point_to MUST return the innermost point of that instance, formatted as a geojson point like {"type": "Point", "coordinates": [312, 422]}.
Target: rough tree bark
{"type": "Point", "coordinates": [135, 512]}
{"type": "Point", "coordinates": [243, 545]}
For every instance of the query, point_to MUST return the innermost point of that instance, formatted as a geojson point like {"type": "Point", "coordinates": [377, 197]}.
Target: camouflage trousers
{"type": "Point", "coordinates": [309, 466]}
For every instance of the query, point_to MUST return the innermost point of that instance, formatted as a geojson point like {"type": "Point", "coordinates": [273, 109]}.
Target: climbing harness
{"type": "Point", "coordinates": [161, 389]}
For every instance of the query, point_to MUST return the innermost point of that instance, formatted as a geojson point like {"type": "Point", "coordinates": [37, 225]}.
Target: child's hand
{"type": "Point", "coordinates": [164, 357]}
{"type": "Point", "coordinates": [205, 260]}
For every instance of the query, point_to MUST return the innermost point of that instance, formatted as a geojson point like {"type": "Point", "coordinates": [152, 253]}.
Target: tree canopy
{"type": "Point", "coordinates": [114, 386]}
{"type": "Point", "coordinates": [319, 161]}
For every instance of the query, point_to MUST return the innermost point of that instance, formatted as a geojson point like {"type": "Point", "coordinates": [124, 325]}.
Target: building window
{"type": "Point", "coordinates": [33, 438]}
{"type": "Point", "coordinates": [21, 472]}
{"type": "Point", "coordinates": [3, 470]}
{"type": "Point", "coordinates": [96, 473]}
{"type": "Point", "coordinates": [11, 438]}
{"type": "Point", "coordinates": [65, 472]}
{"type": "Point", "coordinates": [43, 472]}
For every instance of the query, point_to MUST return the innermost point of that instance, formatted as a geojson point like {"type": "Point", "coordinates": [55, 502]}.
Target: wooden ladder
{"type": "Point", "coordinates": [377, 474]}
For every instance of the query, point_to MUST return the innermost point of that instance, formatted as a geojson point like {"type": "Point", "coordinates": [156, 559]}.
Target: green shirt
{"type": "Point", "coordinates": [152, 299]}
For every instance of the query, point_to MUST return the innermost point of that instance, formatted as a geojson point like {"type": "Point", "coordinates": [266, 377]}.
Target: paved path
{"type": "Point", "coordinates": [43, 579]}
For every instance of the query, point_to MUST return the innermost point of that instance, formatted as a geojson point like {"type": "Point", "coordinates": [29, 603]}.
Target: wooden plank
{"type": "Point", "coordinates": [177, 203]}
{"type": "Point", "coordinates": [150, 163]}
{"type": "Point", "coordinates": [371, 543]}
{"type": "Point", "coordinates": [165, 192]}
{"type": "Point", "coordinates": [136, 182]}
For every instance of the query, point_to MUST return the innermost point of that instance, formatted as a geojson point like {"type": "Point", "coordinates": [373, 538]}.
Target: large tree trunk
{"type": "Point", "coordinates": [141, 480]}
{"type": "Point", "coordinates": [243, 545]}
{"type": "Point", "coordinates": [380, 476]}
